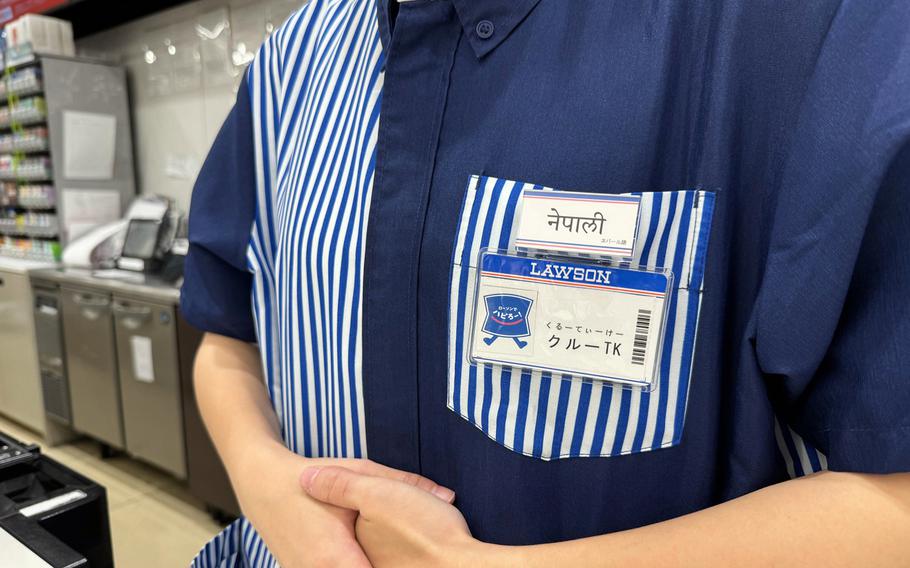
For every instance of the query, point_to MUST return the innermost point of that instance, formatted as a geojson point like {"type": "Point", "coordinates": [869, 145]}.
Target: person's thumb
{"type": "Point", "coordinates": [337, 486]}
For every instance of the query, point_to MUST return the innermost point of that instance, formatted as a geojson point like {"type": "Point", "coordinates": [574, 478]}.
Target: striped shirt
{"type": "Point", "coordinates": [376, 149]}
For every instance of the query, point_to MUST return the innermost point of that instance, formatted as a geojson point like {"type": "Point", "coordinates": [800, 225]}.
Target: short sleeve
{"type": "Point", "coordinates": [216, 292]}
{"type": "Point", "coordinates": [853, 407]}
{"type": "Point", "coordinates": [832, 333]}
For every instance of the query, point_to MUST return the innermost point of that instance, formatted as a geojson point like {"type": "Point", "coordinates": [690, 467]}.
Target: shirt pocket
{"type": "Point", "coordinates": [550, 416]}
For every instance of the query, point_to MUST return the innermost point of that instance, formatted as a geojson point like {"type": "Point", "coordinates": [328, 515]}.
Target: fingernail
{"type": "Point", "coordinates": [308, 476]}
{"type": "Point", "coordinates": [444, 493]}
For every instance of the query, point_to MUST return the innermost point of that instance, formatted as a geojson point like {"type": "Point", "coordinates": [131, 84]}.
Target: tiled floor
{"type": "Point", "coordinates": [154, 522]}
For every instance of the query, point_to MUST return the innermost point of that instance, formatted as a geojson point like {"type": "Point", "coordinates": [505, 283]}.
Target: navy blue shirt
{"type": "Point", "coordinates": [794, 116]}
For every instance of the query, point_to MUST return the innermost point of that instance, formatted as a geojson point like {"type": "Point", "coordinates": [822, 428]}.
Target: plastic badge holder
{"type": "Point", "coordinates": [588, 319]}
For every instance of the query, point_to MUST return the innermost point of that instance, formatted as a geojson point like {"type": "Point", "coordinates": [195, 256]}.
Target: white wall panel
{"type": "Point", "coordinates": [184, 66]}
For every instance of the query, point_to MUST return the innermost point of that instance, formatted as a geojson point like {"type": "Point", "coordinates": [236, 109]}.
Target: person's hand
{"type": "Point", "coordinates": [399, 525]}
{"type": "Point", "coordinates": [300, 531]}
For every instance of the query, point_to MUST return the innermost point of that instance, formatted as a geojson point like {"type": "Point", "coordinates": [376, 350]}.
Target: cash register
{"type": "Point", "coordinates": [150, 241]}
{"type": "Point", "coordinates": [50, 516]}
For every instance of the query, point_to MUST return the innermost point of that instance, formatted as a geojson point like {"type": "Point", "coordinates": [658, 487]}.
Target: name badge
{"type": "Point", "coordinates": [585, 320]}
{"type": "Point", "coordinates": [592, 223]}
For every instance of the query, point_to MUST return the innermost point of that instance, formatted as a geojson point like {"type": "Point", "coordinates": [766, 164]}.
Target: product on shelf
{"type": "Point", "coordinates": [30, 249]}
{"type": "Point", "coordinates": [32, 139]}
{"type": "Point", "coordinates": [21, 82]}
{"type": "Point", "coordinates": [27, 111]}
{"type": "Point", "coordinates": [9, 194]}
{"type": "Point", "coordinates": [42, 34]}
{"type": "Point", "coordinates": [28, 224]}
{"type": "Point", "coordinates": [31, 168]}
{"type": "Point", "coordinates": [36, 195]}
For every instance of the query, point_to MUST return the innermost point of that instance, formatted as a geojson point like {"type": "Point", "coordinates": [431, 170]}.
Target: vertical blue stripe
{"type": "Point", "coordinates": [565, 386]}
{"type": "Point", "coordinates": [502, 412]}
{"type": "Point", "coordinates": [540, 426]}
{"type": "Point", "coordinates": [317, 160]}
{"type": "Point", "coordinates": [352, 118]}
{"type": "Point", "coordinates": [670, 328]}
{"type": "Point", "coordinates": [813, 457]}
{"type": "Point", "coordinates": [645, 405]}
{"type": "Point", "coordinates": [488, 223]}
{"type": "Point", "coordinates": [509, 216]}
{"type": "Point", "coordinates": [653, 222]}
{"type": "Point", "coordinates": [521, 414]}
{"type": "Point", "coordinates": [584, 400]}
{"type": "Point", "coordinates": [463, 291]}
{"type": "Point", "coordinates": [695, 282]}
{"type": "Point", "coordinates": [791, 448]}
{"type": "Point", "coordinates": [487, 397]}
{"type": "Point", "coordinates": [312, 211]}
{"type": "Point", "coordinates": [625, 402]}
{"type": "Point", "coordinates": [600, 422]}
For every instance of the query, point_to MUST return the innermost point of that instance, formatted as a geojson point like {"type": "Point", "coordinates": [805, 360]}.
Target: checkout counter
{"type": "Point", "coordinates": [109, 347]}
{"type": "Point", "coordinates": [115, 357]}
{"type": "Point", "coordinates": [20, 389]}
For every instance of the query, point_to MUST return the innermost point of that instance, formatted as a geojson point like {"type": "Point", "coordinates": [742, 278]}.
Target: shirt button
{"type": "Point", "coordinates": [484, 29]}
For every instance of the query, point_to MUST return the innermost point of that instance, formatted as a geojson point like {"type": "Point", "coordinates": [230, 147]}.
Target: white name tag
{"type": "Point", "coordinates": [584, 320]}
{"type": "Point", "coordinates": [578, 222]}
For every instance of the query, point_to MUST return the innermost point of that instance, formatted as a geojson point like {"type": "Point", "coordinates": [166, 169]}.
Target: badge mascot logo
{"type": "Point", "coordinates": [507, 316]}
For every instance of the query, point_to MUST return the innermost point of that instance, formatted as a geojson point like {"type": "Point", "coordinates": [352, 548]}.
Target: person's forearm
{"type": "Point", "coordinates": [829, 519]}
{"type": "Point", "coordinates": [233, 400]}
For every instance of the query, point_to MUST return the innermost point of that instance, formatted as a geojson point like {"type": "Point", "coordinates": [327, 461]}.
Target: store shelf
{"type": "Point", "coordinates": [31, 196]}
{"type": "Point", "coordinates": [20, 60]}
{"type": "Point", "coordinates": [21, 117]}
{"type": "Point", "coordinates": [13, 168]}
{"type": "Point", "coordinates": [22, 83]}
{"type": "Point", "coordinates": [30, 249]}
{"type": "Point", "coordinates": [30, 141]}
{"type": "Point", "coordinates": [29, 231]}
{"type": "Point", "coordinates": [28, 112]}
{"type": "Point", "coordinates": [26, 174]}
{"type": "Point", "coordinates": [16, 227]}
{"type": "Point", "coordinates": [27, 196]}
{"type": "Point", "coordinates": [32, 88]}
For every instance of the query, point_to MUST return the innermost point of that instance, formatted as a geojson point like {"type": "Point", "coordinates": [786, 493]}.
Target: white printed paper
{"type": "Point", "coordinates": [89, 145]}
{"type": "Point", "coordinates": [143, 367]}
{"type": "Point", "coordinates": [85, 209]}
{"type": "Point", "coordinates": [578, 222]}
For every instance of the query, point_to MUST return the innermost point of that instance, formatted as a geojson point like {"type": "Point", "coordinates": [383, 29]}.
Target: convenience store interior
{"type": "Point", "coordinates": [107, 111]}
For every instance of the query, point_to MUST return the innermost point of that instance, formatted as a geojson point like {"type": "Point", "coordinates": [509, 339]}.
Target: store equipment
{"type": "Point", "coordinates": [50, 516]}
{"type": "Point", "coordinates": [66, 151]}
{"type": "Point", "coordinates": [150, 382]}
{"type": "Point", "coordinates": [20, 381]}
{"type": "Point", "coordinates": [51, 358]}
{"type": "Point", "coordinates": [122, 373]}
{"type": "Point", "coordinates": [91, 363]}
{"type": "Point", "coordinates": [128, 360]}
{"type": "Point", "coordinates": [150, 239]}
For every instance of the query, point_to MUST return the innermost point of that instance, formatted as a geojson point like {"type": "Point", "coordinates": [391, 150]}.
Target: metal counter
{"type": "Point", "coordinates": [128, 368]}
{"type": "Point", "coordinates": [139, 286]}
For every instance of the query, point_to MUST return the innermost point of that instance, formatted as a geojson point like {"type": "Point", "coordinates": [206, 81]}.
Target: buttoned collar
{"type": "Point", "coordinates": [486, 23]}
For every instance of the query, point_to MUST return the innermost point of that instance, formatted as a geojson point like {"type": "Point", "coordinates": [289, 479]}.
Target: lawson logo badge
{"type": "Point", "coordinates": [507, 317]}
